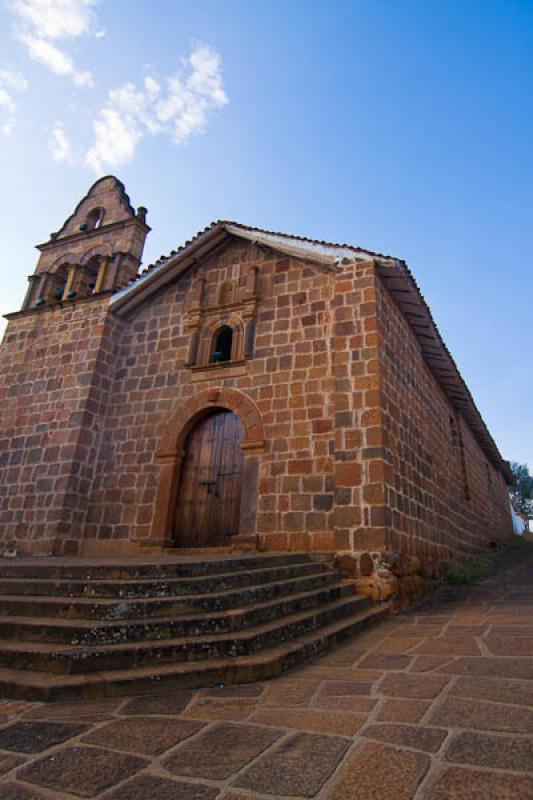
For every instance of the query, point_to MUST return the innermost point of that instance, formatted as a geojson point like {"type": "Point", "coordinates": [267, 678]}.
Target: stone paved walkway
{"type": "Point", "coordinates": [436, 704]}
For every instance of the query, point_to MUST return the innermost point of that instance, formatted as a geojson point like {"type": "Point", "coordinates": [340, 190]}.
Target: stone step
{"type": "Point", "coordinates": [45, 686]}
{"type": "Point", "coordinates": [157, 568]}
{"type": "Point", "coordinates": [140, 608]}
{"type": "Point", "coordinates": [107, 632]}
{"type": "Point", "coordinates": [160, 587]}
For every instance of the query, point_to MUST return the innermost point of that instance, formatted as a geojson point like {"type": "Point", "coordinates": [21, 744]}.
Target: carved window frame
{"type": "Point", "coordinates": [235, 308]}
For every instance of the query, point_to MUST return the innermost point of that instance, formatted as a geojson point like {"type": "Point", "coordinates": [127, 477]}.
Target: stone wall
{"type": "Point", "coordinates": [54, 376]}
{"type": "Point", "coordinates": [359, 450]}
{"type": "Point", "coordinates": [445, 498]}
{"type": "Point", "coordinates": [289, 379]}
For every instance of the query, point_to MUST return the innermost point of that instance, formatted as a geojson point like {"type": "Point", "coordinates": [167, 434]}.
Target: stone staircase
{"type": "Point", "coordinates": [71, 629]}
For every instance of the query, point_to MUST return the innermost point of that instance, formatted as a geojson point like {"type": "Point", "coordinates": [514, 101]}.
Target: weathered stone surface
{"type": "Point", "coordinates": [34, 737]}
{"type": "Point", "coordinates": [344, 703]}
{"type": "Point", "coordinates": [466, 713]}
{"type": "Point", "coordinates": [152, 787]}
{"type": "Point", "coordinates": [385, 661]}
{"type": "Point", "coordinates": [84, 771]}
{"type": "Point", "coordinates": [246, 690]}
{"type": "Point", "coordinates": [211, 709]}
{"type": "Point", "coordinates": [491, 667]}
{"type": "Point", "coordinates": [417, 737]}
{"type": "Point", "coordinates": [93, 711]}
{"type": "Point", "coordinates": [289, 693]}
{"type": "Point", "coordinates": [172, 702]}
{"type": "Point", "coordinates": [344, 688]}
{"type": "Point", "coordinates": [306, 719]}
{"type": "Point", "coordinates": [466, 630]}
{"type": "Point", "coordinates": [398, 644]}
{"type": "Point", "coordinates": [497, 690]}
{"type": "Point", "coordinates": [348, 674]}
{"type": "Point", "coordinates": [15, 791]}
{"type": "Point", "coordinates": [145, 735]}
{"type": "Point", "coordinates": [403, 710]}
{"type": "Point", "coordinates": [406, 685]}
{"type": "Point", "coordinates": [428, 663]}
{"type": "Point", "coordinates": [467, 784]}
{"type": "Point", "coordinates": [9, 762]}
{"type": "Point", "coordinates": [381, 773]}
{"type": "Point", "coordinates": [220, 751]}
{"type": "Point", "coordinates": [280, 771]}
{"type": "Point", "coordinates": [510, 645]}
{"type": "Point", "coordinates": [448, 646]}
{"type": "Point", "coordinates": [497, 752]}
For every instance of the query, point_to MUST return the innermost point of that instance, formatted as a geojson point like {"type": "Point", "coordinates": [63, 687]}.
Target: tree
{"type": "Point", "coordinates": [522, 492]}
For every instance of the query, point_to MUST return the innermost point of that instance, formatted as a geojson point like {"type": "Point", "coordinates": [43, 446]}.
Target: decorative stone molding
{"type": "Point", "coordinates": [234, 306]}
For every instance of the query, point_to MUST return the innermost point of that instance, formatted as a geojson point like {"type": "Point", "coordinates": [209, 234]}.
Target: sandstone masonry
{"type": "Point", "coordinates": [359, 435]}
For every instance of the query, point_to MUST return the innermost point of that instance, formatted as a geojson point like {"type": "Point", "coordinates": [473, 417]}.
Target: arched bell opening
{"type": "Point", "coordinates": [88, 278]}
{"type": "Point", "coordinates": [94, 219]}
{"type": "Point", "coordinates": [56, 284]}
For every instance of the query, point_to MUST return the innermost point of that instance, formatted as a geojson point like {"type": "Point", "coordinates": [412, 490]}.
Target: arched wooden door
{"type": "Point", "coordinates": [209, 494]}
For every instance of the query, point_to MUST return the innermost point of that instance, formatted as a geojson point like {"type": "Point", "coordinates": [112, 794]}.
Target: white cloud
{"type": "Point", "coordinates": [39, 23]}
{"type": "Point", "coordinates": [60, 144]}
{"type": "Point", "coordinates": [181, 110]}
{"type": "Point", "coordinates": [13, 80]}
{"type": "Point", "coordinates": [115, 140]}
{"type": "Point", "coordinates": [8, 108]}
{"type": "Point", "coordinates": [55, 59]}
{"type": "Point", "coordinates": [56, 19]}
{"type": "Point", "coordinates": [10, 82]}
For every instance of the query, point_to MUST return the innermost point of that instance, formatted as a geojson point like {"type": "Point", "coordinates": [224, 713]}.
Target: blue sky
{"type": "Point", "coordinates": [403, 127]}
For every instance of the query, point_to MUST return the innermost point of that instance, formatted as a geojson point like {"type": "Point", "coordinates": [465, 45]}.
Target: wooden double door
{"type": "Point", "coordinates": [209, 493]}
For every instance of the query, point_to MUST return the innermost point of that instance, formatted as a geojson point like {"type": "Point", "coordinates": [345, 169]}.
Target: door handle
{"type": "Point", "coordinates": [210, 485]}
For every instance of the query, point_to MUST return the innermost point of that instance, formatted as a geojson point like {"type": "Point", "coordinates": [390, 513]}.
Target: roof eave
{"type": "Point", "coordinates": [132, 295]}
{"type": "Point", "coordinates": [401, 284]}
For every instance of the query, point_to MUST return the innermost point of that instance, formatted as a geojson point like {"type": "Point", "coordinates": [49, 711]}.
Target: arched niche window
{"type": "Point", "coordinates": [222, 345]}
{"type": "Point", "coordinates": [225, 296]}
{"type": "Point", "coordinates": [94, 219]}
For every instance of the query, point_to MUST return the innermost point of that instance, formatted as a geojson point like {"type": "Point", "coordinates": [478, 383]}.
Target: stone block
{"type": "Point", "coordinates": [83, 771]}
{"type": "Point", "coordinates": [375, 770]}
{"type": "Point", "coordinates": [220, 751]}
{"type": "Point", "coordinates": [456, 783]}
{"type": "Point", "coordinates": [279, 772]}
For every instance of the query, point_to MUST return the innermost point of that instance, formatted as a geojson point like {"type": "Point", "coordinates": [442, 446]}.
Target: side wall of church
{"type": "Point", "coordinates": [444, 497]}
{"type": "Point", "coordinates": [55, 370]}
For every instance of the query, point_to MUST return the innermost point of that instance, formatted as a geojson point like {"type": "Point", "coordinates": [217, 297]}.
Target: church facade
{"type": "Point", "coordinates": [252, 389]}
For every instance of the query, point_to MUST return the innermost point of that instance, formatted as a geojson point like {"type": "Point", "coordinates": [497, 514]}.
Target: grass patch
{"type": "Point", "coordinates": [471, 570]}
{"type": "Point", "coordinates": [478, 568]}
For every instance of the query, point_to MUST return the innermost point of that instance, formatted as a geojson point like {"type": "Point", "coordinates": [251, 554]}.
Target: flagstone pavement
{"type": "Point", "coordinates": [435, 704]}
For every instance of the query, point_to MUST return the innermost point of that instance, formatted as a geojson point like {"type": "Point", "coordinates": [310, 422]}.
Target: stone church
{"type": "Point", "coordinates": [251, 390]}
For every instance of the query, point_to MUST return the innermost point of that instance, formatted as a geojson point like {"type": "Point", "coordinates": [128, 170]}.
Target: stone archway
{"type": "Point", "coordinates": [171, 451]}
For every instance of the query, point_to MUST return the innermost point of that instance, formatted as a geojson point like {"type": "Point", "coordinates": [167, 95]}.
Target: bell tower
{"type": "Point", "coordinates": [98, 249]}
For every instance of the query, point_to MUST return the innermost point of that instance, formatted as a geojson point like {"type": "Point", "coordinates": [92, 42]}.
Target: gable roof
{"type": "Point", "coordinates": [394, 273]}
{"type": "Point", "coordinates": [168, 267]}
